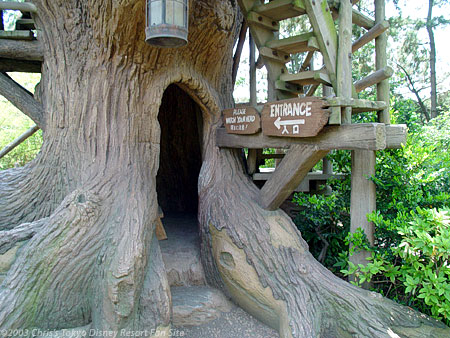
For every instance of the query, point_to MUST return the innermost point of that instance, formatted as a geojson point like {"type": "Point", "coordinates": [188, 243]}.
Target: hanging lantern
{"type": "Point", "coordinates": [167, 23]}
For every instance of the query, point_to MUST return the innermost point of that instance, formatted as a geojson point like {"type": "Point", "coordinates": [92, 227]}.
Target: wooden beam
{"type": "Point", "coordinates": [307, 62]}
{"type": "Point", "coordinates": [344, 59]}
{"type": "Point", "coordinates": [383, 91]}
{"type": "Point", "coordinates": [288, 175]}
{"type": "Point", "coordinates": [160, 232]}
{"type": "Point", "coordinates": [254, 156]}
{"type": "Point", "coordinates": [21, 50]}
{"type": "Point", "coordinates": [323, 25]}
{"type": "Point", "coordinates": [18, 6]}
{"type": "Point", "coordinates": [11, 65]}
{"type": "Point", "coordinates": [358, 105]}
{"type": "Point", "coordinates": [18, 141]}
{"type": "Point", "coordinates": [362, 20]}
{"type": "Point", "coordinates": [22, 99]}
{"type": "Point", "coordinates": [362, 200]}
{"type": "Point", "coordinates": [374, 78]}
{"type": "Point", "coordinates": [358, 18]}
{"type": "Point", "coordinates": [307, 78]}
{"type": "Point", "coordinates": [312, 89]}
{"type": "Point", "coordinates": [17, 35]}
{"type": "Point", "coordinates": [22, 24]}
{"type": "Point", "coordinates": [396, 135]}
{"type": "Point", "coordinates": [252, 74]}
{"type": "Point", "coordinates": [366, 136]}
{"type": "Point", "coordinates": [372, 34]}
{"type": "Point", "coordinates": [239, 48]}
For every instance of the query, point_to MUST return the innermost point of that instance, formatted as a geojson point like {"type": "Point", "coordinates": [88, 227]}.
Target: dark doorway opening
{"type": "Point", "coordinates": [180, 120]}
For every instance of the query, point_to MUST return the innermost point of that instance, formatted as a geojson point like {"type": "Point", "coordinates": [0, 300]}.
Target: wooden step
{"type": "Point", "coordinates": [17, 35]}
{"type": "Point", "coordinates": [25, 24]}
{"type": "Point", "coordinates": [295, 44]}
{"type": "Point", "coordinates": [281, 9]}
{"type": "Point", "coordinates": [274, 55]}
{"type": "Point", "coordinates": [288, 87]}
{"type": "Point", "coordinates": [307, 78]}
{"type": "Point", "coordinates": [262, 21]}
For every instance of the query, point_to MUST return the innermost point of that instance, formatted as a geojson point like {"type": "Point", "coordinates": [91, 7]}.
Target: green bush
{"type": "Point", "coordinates": [417, 270]}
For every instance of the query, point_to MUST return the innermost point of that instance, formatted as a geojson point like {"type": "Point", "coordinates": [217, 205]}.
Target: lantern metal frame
{"type": "Point", "coordinates": [163, 29]}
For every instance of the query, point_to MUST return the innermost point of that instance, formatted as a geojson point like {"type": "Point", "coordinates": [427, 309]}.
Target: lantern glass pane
{"type": "Point", "coordinates": [175, 13]}
{"type": "Point", "coordinates": [156, 12]}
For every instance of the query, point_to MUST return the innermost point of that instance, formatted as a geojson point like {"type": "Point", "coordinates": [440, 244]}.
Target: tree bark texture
{"type": "Point", "coordinates": [85, 209]}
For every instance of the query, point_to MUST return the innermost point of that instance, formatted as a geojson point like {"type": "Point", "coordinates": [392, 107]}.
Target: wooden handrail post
{"type": "Point", "coordinates": [381, 62]}
{"type": "Point", "coordinates": [10, 147]}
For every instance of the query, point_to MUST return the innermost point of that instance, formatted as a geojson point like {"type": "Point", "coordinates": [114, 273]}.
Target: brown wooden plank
{"type": "Point", "coordinates": [281, 9]}
{"type": "Point", "coordinates": [21, 50]}
{"type": "Point", "coordinates": [262, 21]}
{"type": "Point", "coordinates": [323, 24]}
{"type": "Point", "coordinates": [22, 99]}
{"type": "Point", "coordinates": [366, 136]}
{"type": "Point", "coordinates": [160, 231]}
{"type": "Point", "coordinates": [344, 58]}
{"type": "Point", "coordinates": [18, 6]}
{"type": "Point", "coordinates": [396, 135]}
{"type": "Point", "coordinates": [300, 117]}
{"type": "Point", "coordinates": [289, 87]}
{"type": "Point", "coordinates": [18, 141]}
{"type": "Point", "coordinates": [362, 20]}
{"type": "Point", "coordinates": [358, 105]}
{"type": "Point", "coordinates": [245, 120]}
{"type": "Point", "coordinates": [17, 35]}
{"type": "Point", "coordinates": [372, 34]}
{"type": "Point", "coordinates": [294, 44]}
{"type": "Point", "coordinates": [363, 198]}
{"type": "Point", "coordinates": [22, 24]}
{"type": "Point", "coordinates": [310, 77]}
{"type": "Point", "coordinates": [374, 78]}
{"type": "Point", "coordinates": [288, 175]}
{"type": "Point", "coordinates": [383, 87]}
{"type": "Point", "coordinates": [12, 65]}
{"type": "Point", "coordinates": [275, 55]}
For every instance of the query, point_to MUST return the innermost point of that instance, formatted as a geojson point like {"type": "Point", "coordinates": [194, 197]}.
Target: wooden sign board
{"type": "Point", "coordinates": [244, 120]}
{"type": "Point", "coordinates": [299, 117]}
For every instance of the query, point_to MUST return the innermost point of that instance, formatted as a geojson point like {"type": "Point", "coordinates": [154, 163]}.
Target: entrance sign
{"type": "Point", "coordinates": [299, 117]}
{"type": "Point", "coordinates": [244, 120]}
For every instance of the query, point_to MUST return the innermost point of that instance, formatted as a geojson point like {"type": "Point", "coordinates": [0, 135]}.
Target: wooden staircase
{"type": "Point", "coordinates": [263, 18]}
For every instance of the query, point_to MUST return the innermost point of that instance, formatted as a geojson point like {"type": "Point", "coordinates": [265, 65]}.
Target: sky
{"type": "Point", "coordinates": [412, 8]}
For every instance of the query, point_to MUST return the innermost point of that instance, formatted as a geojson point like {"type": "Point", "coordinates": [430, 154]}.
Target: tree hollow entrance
{"type": "Point", "coordinates": [180, 119]}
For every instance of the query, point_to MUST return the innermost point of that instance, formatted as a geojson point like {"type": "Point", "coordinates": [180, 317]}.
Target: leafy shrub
{"type": "Point", "coordinates": [320, 222]}
{"type": "Point", "coordinates": [417, 271]}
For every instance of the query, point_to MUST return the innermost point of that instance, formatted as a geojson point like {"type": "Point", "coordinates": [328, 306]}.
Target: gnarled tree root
{"type": "Point", "coordinates": [266, 267]}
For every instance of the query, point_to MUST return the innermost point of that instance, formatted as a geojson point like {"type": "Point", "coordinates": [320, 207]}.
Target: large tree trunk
{"type": "Point", "coordinates": [87, 204]}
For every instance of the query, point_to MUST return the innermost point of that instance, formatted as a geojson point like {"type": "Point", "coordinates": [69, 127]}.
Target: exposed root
{"type": "Point", "coordinates": [9, 238]}
{"type": "Point", "coordinates": [317, 303]}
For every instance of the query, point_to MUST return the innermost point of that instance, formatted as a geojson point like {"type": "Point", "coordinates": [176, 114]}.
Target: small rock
{"type": "Point", "coordinates": [197, 305]}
